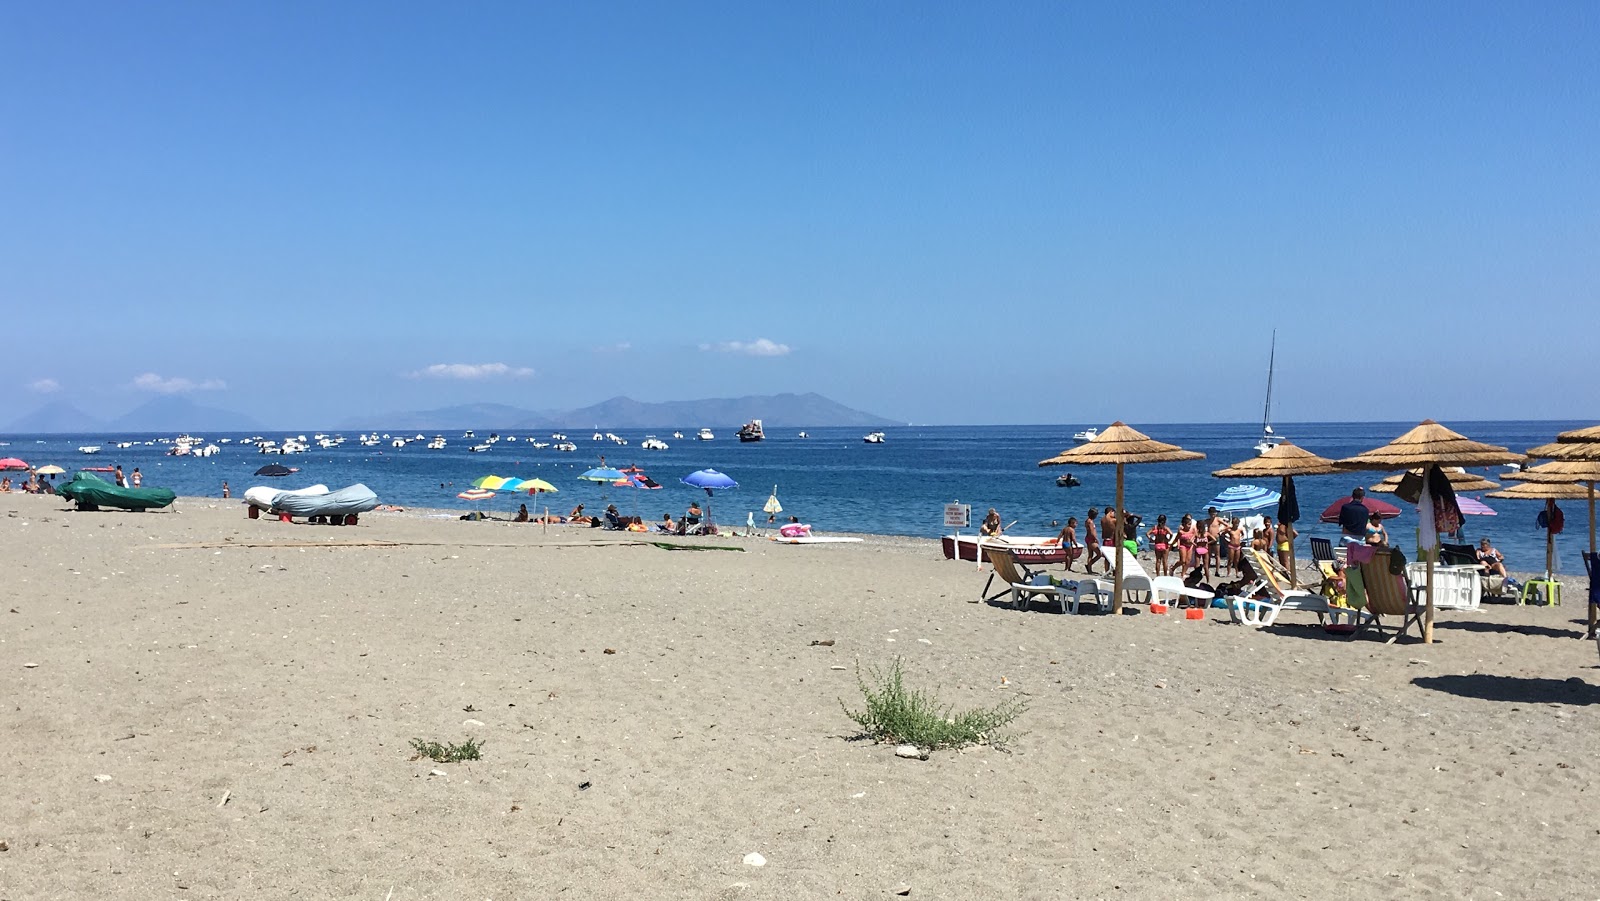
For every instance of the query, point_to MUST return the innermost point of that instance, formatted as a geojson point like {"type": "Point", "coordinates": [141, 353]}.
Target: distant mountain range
{"type": "Point", "coordinates": [175, 413]}
{"type": "Point", "coordinates": [169, 413]}
{"type": "Point", "coordinates": [774, 410]}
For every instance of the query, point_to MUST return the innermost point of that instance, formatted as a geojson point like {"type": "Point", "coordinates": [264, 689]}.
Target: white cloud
{"type": "Point", "coordinates": [621, 347]}
{"type": "Point", "coordinates": [472, 371]}
{"type": "Point", "coordinates": [44, 386]}
{"type": "Point", "coordinates": [760, 347]}
{"type": "Point", "coordinates": [150, 381]}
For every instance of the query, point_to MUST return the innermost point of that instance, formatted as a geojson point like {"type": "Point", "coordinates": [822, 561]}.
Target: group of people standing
{"type": "Point", "coordinates": [1214, 545]}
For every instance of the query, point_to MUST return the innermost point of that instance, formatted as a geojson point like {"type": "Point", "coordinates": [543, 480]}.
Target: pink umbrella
{"type": "Point", "coordinates": [12, 463]}
{"type": "Point", "coordinates": [1471, 506]}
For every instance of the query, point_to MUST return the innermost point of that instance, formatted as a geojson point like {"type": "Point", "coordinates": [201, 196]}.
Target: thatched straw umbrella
{"type": "Point", "coordinates": [1285, 461]}
{"type": "Point", "coordinates": [1121, 445]}
{"type": "Point", "coordinates": [1425, 447]}
{"type": "Point", "coordinates": [1549, 492]}
{"type": "Point", "coordinates": [1460, 480]}
{"type": "Point", "coordinates": [1572, 470]}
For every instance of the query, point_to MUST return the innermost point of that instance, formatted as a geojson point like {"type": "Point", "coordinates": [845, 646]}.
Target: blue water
{"type": "Point", "coordinates": [836, 482]}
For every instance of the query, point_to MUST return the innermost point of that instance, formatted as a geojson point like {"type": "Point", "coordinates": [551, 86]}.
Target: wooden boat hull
{"type": "Point", "coordinates": [1028, 551]}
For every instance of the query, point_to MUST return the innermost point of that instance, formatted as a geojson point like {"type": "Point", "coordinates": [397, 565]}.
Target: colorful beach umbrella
{"type": "Point", "coordinates": [710, 480]}
{"type": "Point", "coordinates": [476, 494]}
{"type": "Point", "coordinates": [772, 507]}
{"type": "Point", "coordinates": [1375, 508]}
{"type": "Point", "coordinates": [12, 463]}
{"type": "Point", "coordinates": [1240, 498]}
{"type": "Point", "coordinates": [490, 483]}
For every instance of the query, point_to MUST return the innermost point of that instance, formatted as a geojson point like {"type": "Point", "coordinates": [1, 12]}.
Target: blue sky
{"type": "Point", "coordinates": [935, 212]}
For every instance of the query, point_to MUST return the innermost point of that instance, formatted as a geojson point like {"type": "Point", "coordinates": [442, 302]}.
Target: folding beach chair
{"type": "Point", "coordinates": [1274, 583]}
{"type": "Point", "coordinates": [1389, 595]}
{"type": "Point", "coordinates": [1322, 550]}
{"type": "Point", "coordinates": [1022, 585]}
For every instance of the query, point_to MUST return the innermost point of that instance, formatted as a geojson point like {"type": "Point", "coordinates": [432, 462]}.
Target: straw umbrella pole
{"type": "Point", "coordinates": [1549, 492]}
{"type": "Point", "coordinates": [1121, 445]}
{"type": "Point", "coordinates": [1427, 446]}
{"type": "Point", "coordinates": [1460, 480]}
{"type": "Point", "coordinates": [1285, 460]}
{"type": "Point", "coordinates": [1584, 472]}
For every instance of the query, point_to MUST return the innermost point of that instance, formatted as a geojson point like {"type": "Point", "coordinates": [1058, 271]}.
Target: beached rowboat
{"type": "Point", "coordinates": [1028, 551]}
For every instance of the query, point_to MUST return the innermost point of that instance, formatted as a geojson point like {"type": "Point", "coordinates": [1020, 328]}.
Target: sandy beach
{"type": "Point", "coordinates": [199, 705]}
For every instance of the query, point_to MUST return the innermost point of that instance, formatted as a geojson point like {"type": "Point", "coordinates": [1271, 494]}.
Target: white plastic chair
{"type": "Point", "coordinates": [1171, 591]}
{"type": "Point", "coordinates": [1096, 590]}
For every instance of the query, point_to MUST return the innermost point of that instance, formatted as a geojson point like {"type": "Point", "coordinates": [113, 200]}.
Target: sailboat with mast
{"type": "Point", "coordinates": [1269, 439]}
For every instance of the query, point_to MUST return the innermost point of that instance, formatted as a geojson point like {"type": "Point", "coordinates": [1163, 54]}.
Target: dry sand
{"type": "Point", "coordinates": [199, 706]}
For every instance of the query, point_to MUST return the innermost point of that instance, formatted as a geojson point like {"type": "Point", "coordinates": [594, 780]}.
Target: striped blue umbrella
{"type": "Point", "coordinates": [1242, 498]}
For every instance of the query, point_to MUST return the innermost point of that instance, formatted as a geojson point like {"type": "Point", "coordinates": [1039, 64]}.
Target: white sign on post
{"type": "Point", "coordinates": [957, 516]}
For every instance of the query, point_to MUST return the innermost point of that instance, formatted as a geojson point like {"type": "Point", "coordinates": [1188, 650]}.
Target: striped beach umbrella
{"type": "Point", "coordinates": [1242, 498]}
{"type": "Point", "coordinates": [476, 494]}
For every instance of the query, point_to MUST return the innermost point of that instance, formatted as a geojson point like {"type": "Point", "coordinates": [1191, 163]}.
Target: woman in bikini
{"type": "Point", "coordinates": [1160, 540]}
{"type": "Point", "coordinates": [1377, 535]}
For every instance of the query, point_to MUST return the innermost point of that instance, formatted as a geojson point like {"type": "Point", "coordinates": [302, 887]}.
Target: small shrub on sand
{"type": "Point", "coordinates": [451, 753]}
{"type": "Point", "coordinates": [895, 713]}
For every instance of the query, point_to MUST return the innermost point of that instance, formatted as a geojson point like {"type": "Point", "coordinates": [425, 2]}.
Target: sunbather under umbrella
{"type": "Point", "coordinates": [709, 479]}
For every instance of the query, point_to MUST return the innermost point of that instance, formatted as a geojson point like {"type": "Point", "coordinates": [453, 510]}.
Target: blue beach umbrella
{"type": "Point", "coordinates": [708, 479]}
{"type": "Point", "coordinates": [1242, 498]}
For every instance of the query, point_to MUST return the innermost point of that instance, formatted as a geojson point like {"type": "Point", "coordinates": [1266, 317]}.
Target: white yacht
{"type": "Point", "coordinates": [873, 438]}
{"type": "Point", "coordinates": [89, 449]}
{"type": "Point", "coordinates": [651, 442]}
{"type": "Point", "coordinates": [705, 435]}
{"type": "Point", "coordinates": [1086, 435]}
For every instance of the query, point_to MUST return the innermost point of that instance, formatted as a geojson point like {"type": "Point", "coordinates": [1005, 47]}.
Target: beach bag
{"type": "Point", "coordinates": [1410, 487]}
{"type": "Point", "coordinates": [1397, 562]}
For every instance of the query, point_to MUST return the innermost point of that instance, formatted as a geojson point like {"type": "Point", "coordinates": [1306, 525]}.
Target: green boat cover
{"type": "Point", "coordinates": [89, 489]}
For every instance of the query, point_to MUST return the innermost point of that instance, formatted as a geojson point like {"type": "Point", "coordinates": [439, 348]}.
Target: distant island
{"type": "Point", "coordinates": [179, 414]}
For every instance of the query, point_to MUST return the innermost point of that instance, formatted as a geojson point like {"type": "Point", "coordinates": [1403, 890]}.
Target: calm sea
{"type": "Point", "coordinates": [837, 482]}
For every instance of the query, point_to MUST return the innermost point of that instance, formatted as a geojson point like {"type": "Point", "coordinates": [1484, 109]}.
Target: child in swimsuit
{"type": "Point", "coordinates": [1160, 541]}
{"type": "Point", "coordinates": [1186, 539]}
{"type": "Point", "coordinates": [1068, 539]}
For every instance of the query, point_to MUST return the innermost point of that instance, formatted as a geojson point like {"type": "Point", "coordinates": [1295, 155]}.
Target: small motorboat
{"type": "Point", "coordinates": [89, 449]}
{"type": "Point", "coordinates": [1067, 480]}
{"type": "Point", "coordinates": [751, 431]}
{"type": "Point", "coordinates": [705, 435]}
{"type": "Point", "coordinates": [804, 435]}
{"type": "Point", "coordinates": [873, 438]}
{"type": "Point", "coordinates": [1085, 436]}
